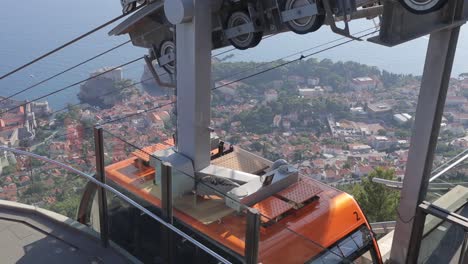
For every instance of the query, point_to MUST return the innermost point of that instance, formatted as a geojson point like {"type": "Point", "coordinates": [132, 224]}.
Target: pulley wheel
{"type": "Point", "coordinates": [307, 24]}
{"type": "Point", "coordinates": [167, 47]}
{"type": "Point", "coordinates": [127, 8]}
{"type": "Point", "coordinates": [244, 41]}
{"type": "Point", "coordinates": [422, 6]}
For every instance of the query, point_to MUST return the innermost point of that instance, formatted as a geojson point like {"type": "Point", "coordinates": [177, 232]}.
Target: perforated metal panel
{"type": "Point", "coordinates": [301, 191]}
{"type": "Point", "coordinates": [242, 161]}
{"type": "Point", "coordinates": [271, 208]}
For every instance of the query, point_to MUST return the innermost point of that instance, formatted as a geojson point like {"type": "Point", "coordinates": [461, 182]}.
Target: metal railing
{"type": "Point", "coordinates": [114, 156]}
{"type": "Point", "coordinates": [383, 227]}
{"type": "Point", "coordinates": [120, 195]}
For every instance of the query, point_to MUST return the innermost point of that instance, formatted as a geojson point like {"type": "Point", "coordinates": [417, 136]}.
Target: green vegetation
{"type": "Point", "coordinates": [334, 74]}
{"type": "Point", "coordinates": [382, 132]}
{"type": "Point", "coordinates": [68, 205]}
{"type": "Point", "coordinates": [378, 202]}
{"type": "Point", "coordinates": [126, 89]}
{"type": "Point", "coordinates": [42, 134]}
{"type": "Point", "coordinates": [257, 120]}
{"type": "Point", "coordinates": [9, 170]}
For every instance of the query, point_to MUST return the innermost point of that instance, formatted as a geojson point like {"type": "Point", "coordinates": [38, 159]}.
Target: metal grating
{"type": "Point", "coordinates": [241, 161]}
{"type": "Point", "coordinates": [301, 191]}
{"type": "Point", "coordinates": [271, 208]}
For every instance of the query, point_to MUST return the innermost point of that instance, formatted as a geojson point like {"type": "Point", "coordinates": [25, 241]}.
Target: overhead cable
{"type": "Point", "coordinates": [75, 66]}
{"type": "Point", "coordinates": [292, 61]}
{"type": "Point", "coordinates": [74, 84]}
{"type": "Point", "coordinates": [67, 44]}
{"type": "Point", "coordinates": [293, 54]}
{"type": "Point", "coordinates": [233, 49]}
{"type": "Point", "coordinates": [247, 77]}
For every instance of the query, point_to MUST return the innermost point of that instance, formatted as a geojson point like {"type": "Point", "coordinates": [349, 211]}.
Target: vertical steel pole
{"type": "Point", "coordinates": [431, 102]}
{"type": "Point", "coordinates": [462, 258]}
{"type": "Point", "coordinates": [166, 202]}
{"type": "Point", "coordinates": [252, 236]}
{"type": "Point", "coordinates": [166, 191]}
{"type": "Point", "coordinates": [101, 176]}
{"type": "Point", "coordinates": [193, 59]}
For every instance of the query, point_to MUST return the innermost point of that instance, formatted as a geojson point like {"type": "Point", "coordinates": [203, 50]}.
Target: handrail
{"type": "Point", "coordinates": [448, 168]}
{"type": "Point", "coordinates": [399, 184]}
{"type": "Point", "coordinates": [119, 194]}
{"type": "Point", "coordinates": [432, 186]}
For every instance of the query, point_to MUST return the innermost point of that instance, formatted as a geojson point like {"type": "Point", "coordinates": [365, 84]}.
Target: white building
{"type": "Point", "coordinates": [271, 95]}
{"type": "Point", "coordinates": [402, 118]}
{"type": "Point", "coordinates": [313, 81]}
{"type": "Point", "coordinates": [311, 92]}
{"type": "Point", "coordinates": [364, 83]}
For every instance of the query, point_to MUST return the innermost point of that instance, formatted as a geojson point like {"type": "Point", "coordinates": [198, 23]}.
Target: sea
{"type": "Point", "coordinates": [28, 29]}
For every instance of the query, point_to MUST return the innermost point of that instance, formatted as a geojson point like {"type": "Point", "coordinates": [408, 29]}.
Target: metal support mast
{"type": "Point", "coordinates": [431, 102]}
{"type": "Point", "coordinates": [193, 58]}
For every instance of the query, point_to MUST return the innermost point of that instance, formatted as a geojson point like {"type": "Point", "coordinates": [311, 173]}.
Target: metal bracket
{"type": "Point", "coordinates": [166, 59]}
{"type": "Point", "coordinates": [239, 30]}
{"type": "Point", "coordinates": [300, 12]}
{"type": "Point", "coordinates": [163, 60]}
{"type": "Point", "coordinates": [330, 18]}
{"type": "Point", "coordinates": [398, 25]}
{"type": "Point", "coordinates": [149, 63]}
{"type": "Point", "coordinates": [444, 214]}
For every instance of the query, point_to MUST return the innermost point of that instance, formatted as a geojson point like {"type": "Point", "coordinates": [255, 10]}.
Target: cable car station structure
{"type": "Point", "coordinates": [234, 206]}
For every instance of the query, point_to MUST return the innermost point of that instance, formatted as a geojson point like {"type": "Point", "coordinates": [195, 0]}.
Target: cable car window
{"type": "Point", "coordinates": [355, 248]}
{"type": "Point", "coordinates": [348, 247]}
{"type": "Point", "coordinates": [360, 238]}
{"type": "Point", "coordinates": [330, 257]}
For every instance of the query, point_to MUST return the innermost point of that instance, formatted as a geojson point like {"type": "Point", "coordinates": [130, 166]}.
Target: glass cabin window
{"type": "Point", "coordinates": [354, 248]}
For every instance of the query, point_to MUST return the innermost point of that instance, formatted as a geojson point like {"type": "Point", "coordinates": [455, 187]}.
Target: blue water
{"type": "Point", "coordinates": [31, 28]}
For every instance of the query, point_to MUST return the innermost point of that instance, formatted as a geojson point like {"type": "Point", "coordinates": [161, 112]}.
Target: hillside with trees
{"type": "Point", "coordinates": [378, 202]}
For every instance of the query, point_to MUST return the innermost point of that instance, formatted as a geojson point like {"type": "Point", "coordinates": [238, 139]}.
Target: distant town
{"type": "Point", "coordinates": [336, 122]}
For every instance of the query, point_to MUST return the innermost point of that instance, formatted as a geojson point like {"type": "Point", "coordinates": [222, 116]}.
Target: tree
{"type": "Point", "coordinates": [402, 133]}
{"type": "Point", "coordinates": [35, 188]}
{"type": "Point", "coordinates": [41, 150]}
{"type": "Point", "coordinates": [297, 156]}
{"type": "Point", "coordinates": [382, 132]}
{"type": "Point", "coordinates": [347, 165]}
{"type": "Point", "coordinates": [378, 202]}
{"type": "Point", "coordinates": [257, 146]}
{"type": "Point", "coordinates": [9, 170]}
{"type": "Point", "coordinates": [68, 206]}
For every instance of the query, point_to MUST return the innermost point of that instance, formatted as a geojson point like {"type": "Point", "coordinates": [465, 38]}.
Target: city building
{"type": "Point", "coordinates": [379, 110]}
{"type": "Point", "coordinates": [311, 92]}
{"type": "Point", "coordinates": [364, 83]}
{"type": "Point", "coordinates": [271, 95]}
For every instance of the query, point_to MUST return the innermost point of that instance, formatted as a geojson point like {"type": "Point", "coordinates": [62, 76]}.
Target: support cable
{"type": "Point", "coordinates": [76, 66]}
{"type": "Point", "coordinates": [449, 161]}
{"type": "Point", "coordinates": [290, 55]}
{"type": "Point", "coordinates": [68, 44]}
{"type": "Point", "coordinates": [102, 95]}
{"type": "Point", "coordinates": [247, 77]}
{"type": "Point", "coordinates": [292, 61]}
{"type": "Point", "coordinates": [93, 58]}
{"type": "Point", "coordinates": [72, 85]}
{"type": "Point", "coordinates": [62, 72]}
{"type": "Point", "coordinates": [233, 49]}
